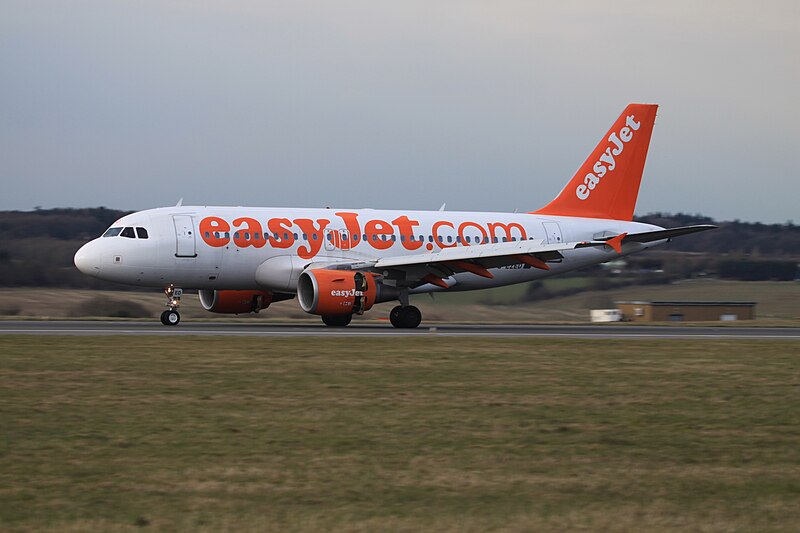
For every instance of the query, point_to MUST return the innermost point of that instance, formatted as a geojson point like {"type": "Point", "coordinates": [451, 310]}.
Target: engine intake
{"type": "Point", "coordinates": [336, 292]}
{"type": "Point", "coordinates": [235, 301]}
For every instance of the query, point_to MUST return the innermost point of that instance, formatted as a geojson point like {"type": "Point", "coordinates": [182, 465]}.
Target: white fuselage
{"type": "Point", "coordinates": [267, 248]}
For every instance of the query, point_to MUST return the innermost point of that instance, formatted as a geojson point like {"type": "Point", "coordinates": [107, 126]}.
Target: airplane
{"type": "Point", "coordinates": [341, 262]}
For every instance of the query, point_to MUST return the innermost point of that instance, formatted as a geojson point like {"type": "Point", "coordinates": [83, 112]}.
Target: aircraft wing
{"type": "Point", "coordinates": [418, 269]}
{"type": "Point", "coordinates": [431, 267]}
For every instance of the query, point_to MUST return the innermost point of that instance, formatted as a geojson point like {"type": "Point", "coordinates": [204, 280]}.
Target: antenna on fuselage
{"type": "Point", "coordinates": [443, 206]}
{"type": "Point", "coordinates": [180, 203]}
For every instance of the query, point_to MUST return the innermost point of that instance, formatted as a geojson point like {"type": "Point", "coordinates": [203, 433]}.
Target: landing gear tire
{"type": "Point", "coordinates": [170, 317]}
{"type": "Point", "coordinates": [337, 321]}
{"type": "Point", "coordinates": [405, 317]}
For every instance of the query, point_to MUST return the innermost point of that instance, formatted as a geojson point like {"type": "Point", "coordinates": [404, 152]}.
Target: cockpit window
{"type": "Point", "coordinates": [141, 233]}
{"type": "Point", "coordinates": [112, 232]}
{"type": "Point", "coordinates": [128, 232]}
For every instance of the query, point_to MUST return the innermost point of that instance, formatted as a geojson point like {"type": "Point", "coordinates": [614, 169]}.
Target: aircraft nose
{"type": "Point", "coordinates": [87, 259]}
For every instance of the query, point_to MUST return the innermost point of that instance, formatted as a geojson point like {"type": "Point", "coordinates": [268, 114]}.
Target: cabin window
{"type": "Point", "coordinates": [236, 235]}
{"type": "Point", "coordinates": [112, 232]}
{"type": "Point", "coordinates": [314, 236]}
{"type": "Point", "coordinates": [128, 232]}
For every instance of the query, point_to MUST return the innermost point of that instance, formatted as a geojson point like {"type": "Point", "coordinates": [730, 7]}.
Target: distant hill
{"type": "Point", "coordinates": [37, 246]}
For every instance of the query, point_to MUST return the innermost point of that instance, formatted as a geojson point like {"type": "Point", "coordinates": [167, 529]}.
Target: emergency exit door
{"type": "Point", "coordinates": [553, 232]}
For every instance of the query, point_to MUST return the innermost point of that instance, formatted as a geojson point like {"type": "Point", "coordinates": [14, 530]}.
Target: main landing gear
{"type": "Point", "coordinates": [405, 316]}
{"type": "Point", "coordinates": [171, 316]}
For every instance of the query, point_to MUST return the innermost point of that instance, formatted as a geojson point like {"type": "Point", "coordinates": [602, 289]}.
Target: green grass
{"type": "Point", "coordinates": [118, 433]}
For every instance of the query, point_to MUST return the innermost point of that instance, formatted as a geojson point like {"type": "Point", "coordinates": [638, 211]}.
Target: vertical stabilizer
{"type": "Point", "coordinates": [607, 184]}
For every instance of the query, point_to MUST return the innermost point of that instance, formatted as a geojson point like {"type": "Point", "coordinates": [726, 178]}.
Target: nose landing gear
{"type": "Point", "coordinates": [171, 317]}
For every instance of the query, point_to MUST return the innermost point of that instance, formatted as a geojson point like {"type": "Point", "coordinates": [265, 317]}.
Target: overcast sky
{"type": "Point", "coordinates": [485, 105]}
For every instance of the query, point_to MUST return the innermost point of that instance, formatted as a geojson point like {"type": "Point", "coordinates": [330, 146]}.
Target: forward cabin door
{"type": "Point", "coordinates": [553, 232]}
{"type": "Point", "coordinates": [184, 236]}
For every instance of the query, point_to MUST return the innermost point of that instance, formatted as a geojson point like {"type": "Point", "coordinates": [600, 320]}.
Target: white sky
{"type": "Point", "coordinates": [487, 105]}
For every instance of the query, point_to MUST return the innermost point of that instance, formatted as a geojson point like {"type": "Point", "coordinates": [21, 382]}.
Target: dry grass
{"type": "Point", "coordinates": [777, 304]}
{"type": "Point", "coordinates": [207, 434]}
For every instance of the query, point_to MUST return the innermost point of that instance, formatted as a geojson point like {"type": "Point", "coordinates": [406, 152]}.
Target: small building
{"type": "Point", "coordinates": [686, 311]}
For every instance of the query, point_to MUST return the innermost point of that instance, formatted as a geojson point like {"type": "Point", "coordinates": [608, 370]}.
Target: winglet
{"type": "Point", "coordinates": [616, 242]}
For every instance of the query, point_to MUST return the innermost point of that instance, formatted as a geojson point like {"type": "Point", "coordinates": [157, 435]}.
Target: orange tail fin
{"type": "Point", "coordinates": [607, 184]}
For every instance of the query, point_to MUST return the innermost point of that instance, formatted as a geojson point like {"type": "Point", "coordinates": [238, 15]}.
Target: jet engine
{"type": "Point", "coordinates": [235, 301]}
{"type": "Point", "coordinates": [336, 292]}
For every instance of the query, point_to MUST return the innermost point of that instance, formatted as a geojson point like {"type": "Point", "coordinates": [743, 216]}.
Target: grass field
{"type": "Point", "coordinates": [777, 303]}
{"type": "Point", "coordinates": [422, 434]}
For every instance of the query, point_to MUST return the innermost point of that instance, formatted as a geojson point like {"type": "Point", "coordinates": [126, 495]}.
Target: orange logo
{"type": "Point", "coordinates": [379, 234]}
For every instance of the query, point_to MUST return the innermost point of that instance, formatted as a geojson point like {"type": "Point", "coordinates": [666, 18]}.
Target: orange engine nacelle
{"type": "Point", "coordinates": [336, 292]}
{"type": "Point", "coordinates": [235, 301]}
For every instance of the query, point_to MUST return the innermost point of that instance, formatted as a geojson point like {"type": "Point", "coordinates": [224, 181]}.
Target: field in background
{"type": "Point", "coordinates": [208, 434]}
{"type": "Point", "coordinates": [777, 303]}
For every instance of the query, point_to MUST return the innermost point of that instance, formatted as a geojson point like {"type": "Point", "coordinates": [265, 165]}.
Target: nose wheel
{"type": "Point", "coordinates": [171, 317]}
{"type": "Point", "coordinates": [405, 317]}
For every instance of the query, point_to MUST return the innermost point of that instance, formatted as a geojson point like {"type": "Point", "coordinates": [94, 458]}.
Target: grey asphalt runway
{"type": "Point", "coordinates": [261, 329]}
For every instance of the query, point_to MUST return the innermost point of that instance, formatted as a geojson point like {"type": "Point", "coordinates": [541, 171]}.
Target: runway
{"type": "Point", "coordinates": [262, 329]}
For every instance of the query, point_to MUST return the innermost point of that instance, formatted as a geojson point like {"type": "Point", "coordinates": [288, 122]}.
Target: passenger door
{"type": "Point", "coordinates": [184, 236]}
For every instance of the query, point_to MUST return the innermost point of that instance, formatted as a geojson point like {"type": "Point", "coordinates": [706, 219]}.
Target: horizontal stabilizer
{"type": "Point", "coordinates": [650, 236]}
